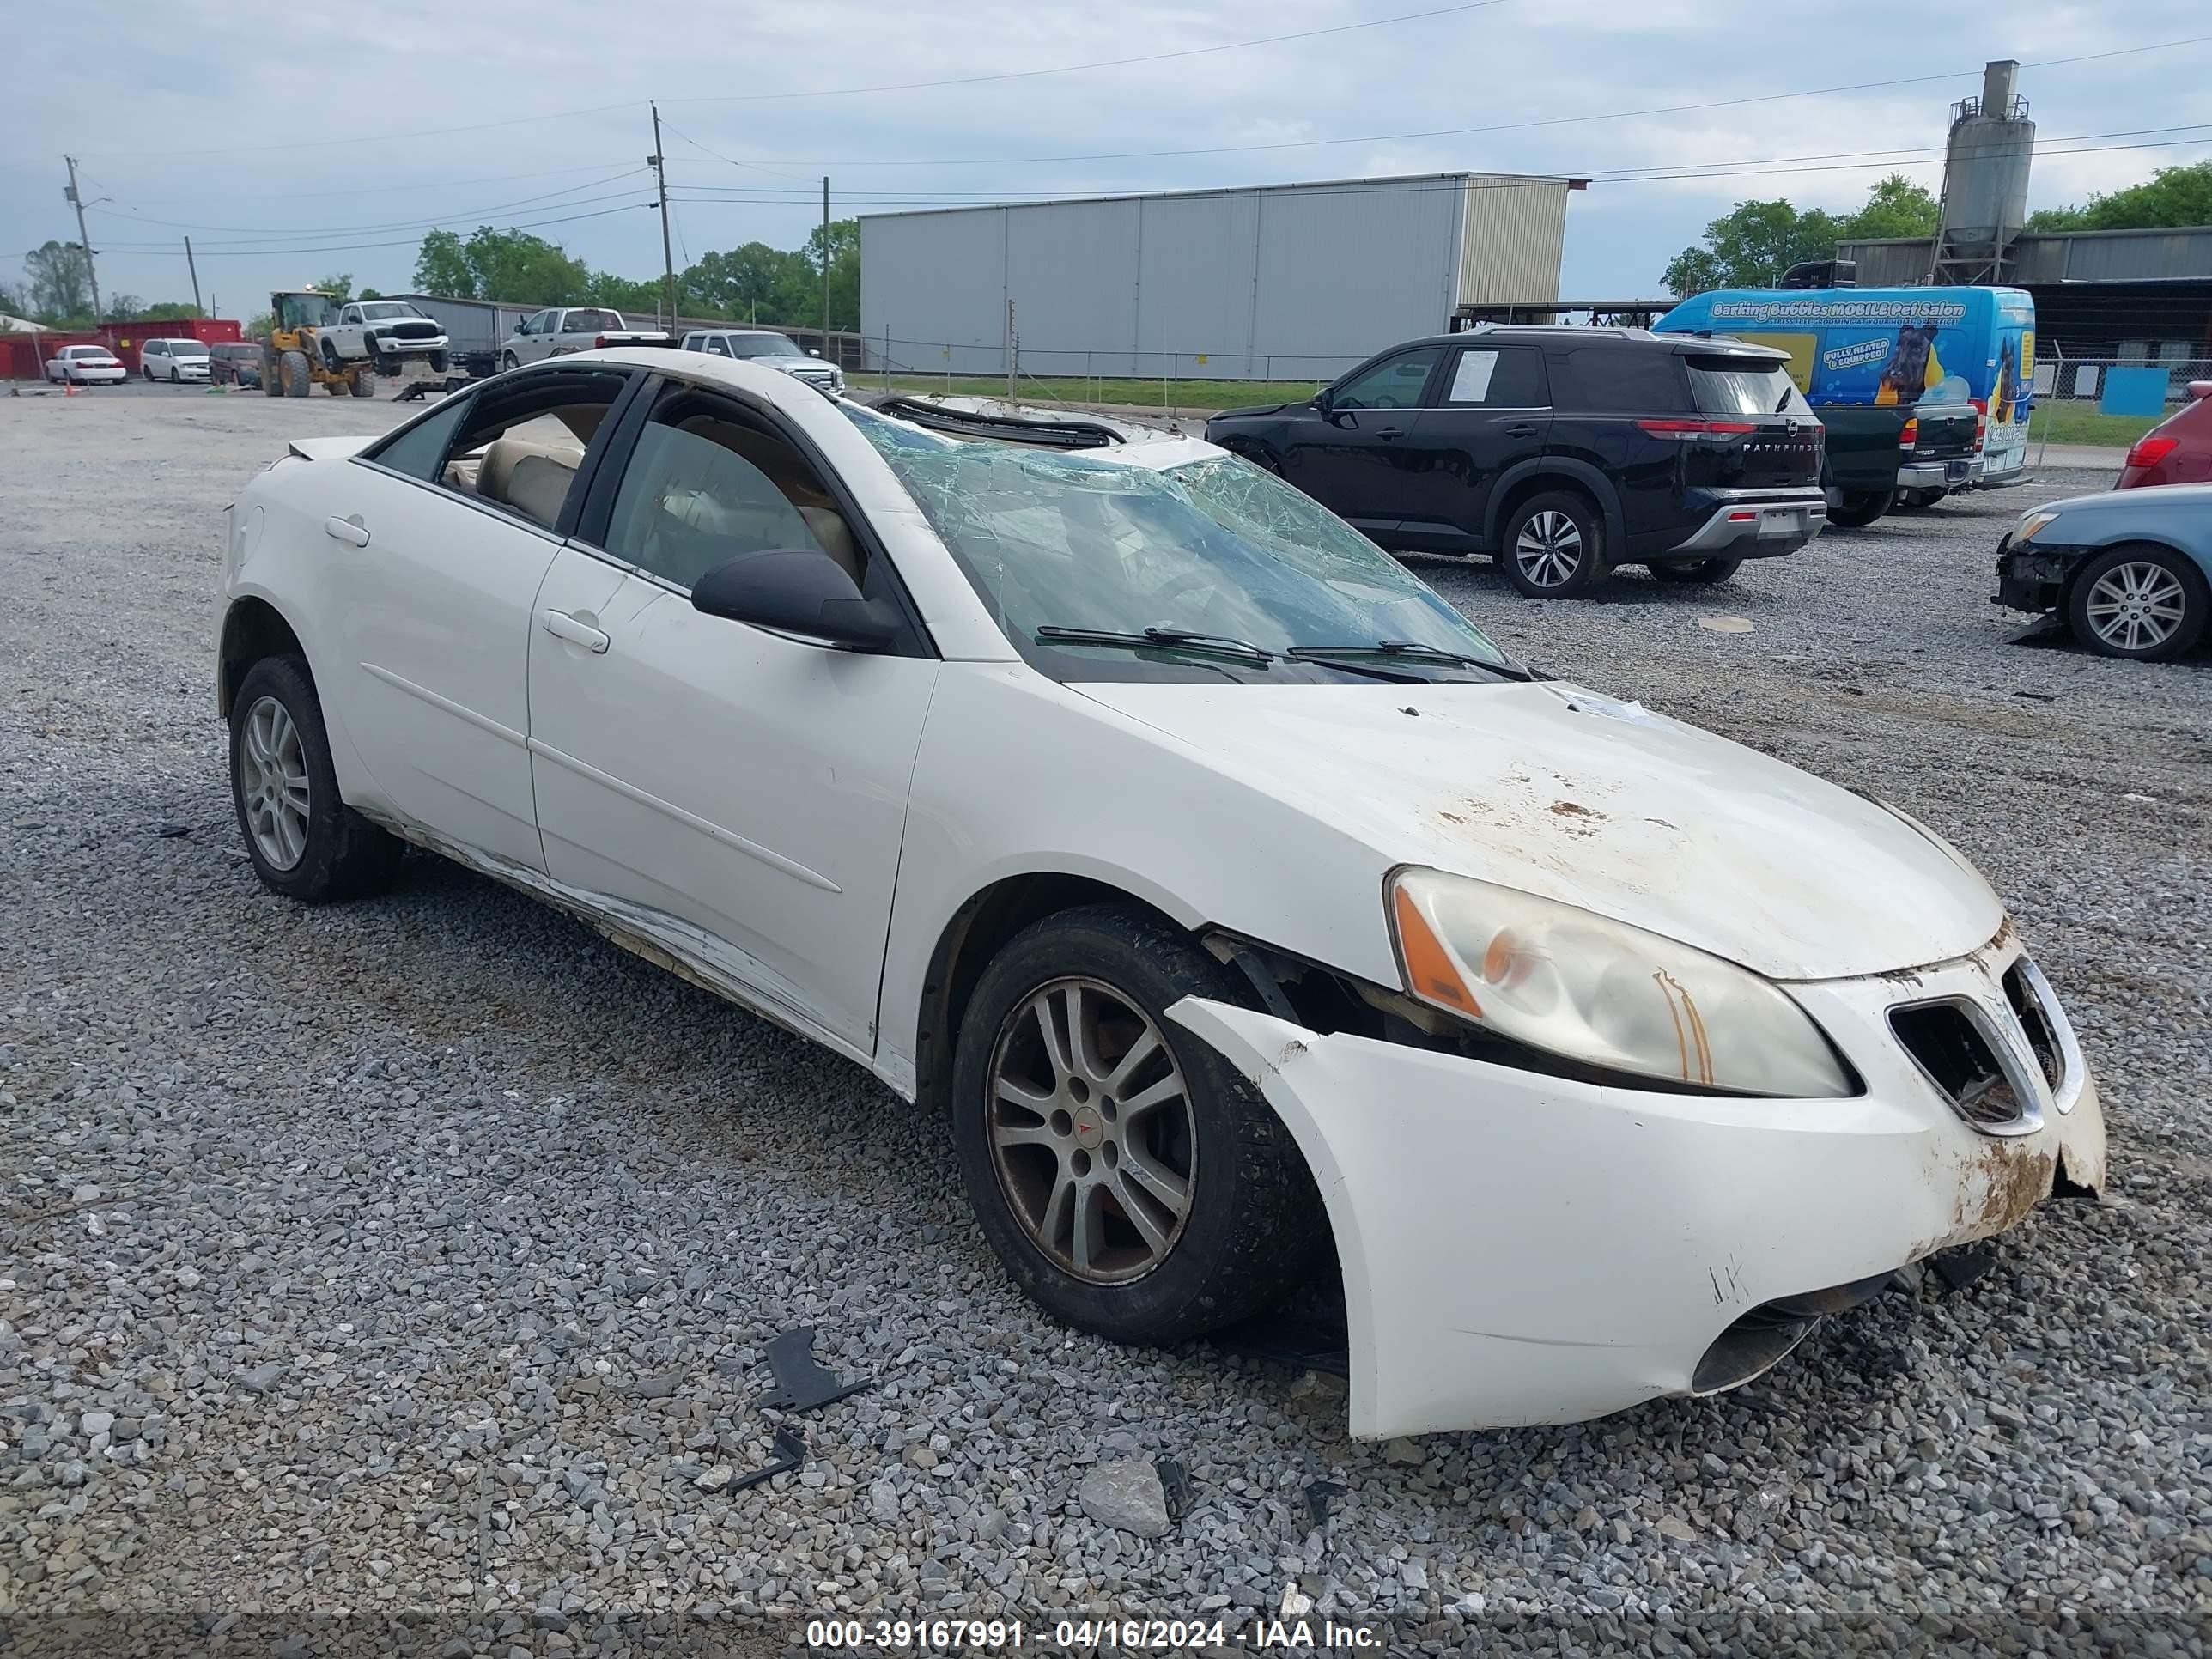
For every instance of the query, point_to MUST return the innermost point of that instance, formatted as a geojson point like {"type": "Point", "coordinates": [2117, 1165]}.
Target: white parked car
{"type": "Point", "coordinates": [770, 350]}
{"type": "Point", "coordinates": [383, 332]}
{"type": "Point", "coordinates": [173, 360]}
{"type": "Point", "coordinates": [86, 365]}
{"type": "Point", "coordinates": [1238, 904]}
{"type": "Point", "coordinates": [563, 330]}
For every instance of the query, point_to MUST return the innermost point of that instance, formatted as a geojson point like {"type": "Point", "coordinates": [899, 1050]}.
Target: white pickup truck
{"type": "Point", "coordinates": [564, 328]}
{"type": "Point", "coordinates": [383, 332]}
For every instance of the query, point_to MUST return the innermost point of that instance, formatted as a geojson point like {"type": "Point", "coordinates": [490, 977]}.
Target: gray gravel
{"type": "Point", "coordinates": [420, 1252]}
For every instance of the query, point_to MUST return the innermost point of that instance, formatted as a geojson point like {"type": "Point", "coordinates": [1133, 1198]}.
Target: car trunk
{"type": "Point", "coordinates": [1759, 434]}
{"type": "Point", "coordinates": [1943, 431]}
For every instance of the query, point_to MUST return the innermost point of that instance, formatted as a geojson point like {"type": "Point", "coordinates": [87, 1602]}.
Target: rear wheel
{"type": "Point", "coordinates": [330, 359]}
{"type": "Point", "coordinates": [298, 379]}
{"type": "Point", "coordinates": [1553, 546]}
{"type": "Point", "coordinates": [1710, 572]}
{"type": "Point", "coordinates": [272, 373]}
{"type": "Point", "coordinates": [304, 841]}
{"type": "Point", "coordinates": [362, 383]}
{"type": "Point", "coordinates": [2140, 602]}
{"type": "Point", "coordinates": [507, 359]}
{"type": "Point", "coordinates": [1134, 1182]}
{"type": "Point", "coordinates": [1855, 509]}
{"type": "Point", "coordinates": [1919, 500]}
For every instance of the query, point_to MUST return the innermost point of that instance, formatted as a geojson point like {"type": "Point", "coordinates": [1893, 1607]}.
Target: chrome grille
{"type": "Point", "coordinates": [1975, 1067]}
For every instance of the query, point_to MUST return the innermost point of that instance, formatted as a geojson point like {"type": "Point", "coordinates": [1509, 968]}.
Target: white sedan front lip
{"type": "Point", "coordinates": [1521, 1249]}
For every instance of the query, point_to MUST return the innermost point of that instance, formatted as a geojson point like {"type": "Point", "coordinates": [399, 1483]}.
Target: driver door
{"type": "Point", "coordinates": [1354, 458]}
{"type": "Point", "coordinates": [735, 794]}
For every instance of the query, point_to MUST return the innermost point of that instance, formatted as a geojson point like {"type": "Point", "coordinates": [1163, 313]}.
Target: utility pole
{"type": "Point", "coordinates": [195, 270]}
{"type": "Point", "coordinates": [1014, 360]}
{"type": "Point", "coordinates": [825, 266]}
{"type": "Point", "coordinates": [83, 237]}
{"type": "Point", "coordinates": [658, 162]}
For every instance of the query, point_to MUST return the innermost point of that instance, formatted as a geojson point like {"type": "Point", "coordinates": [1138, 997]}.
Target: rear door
{"type": "Point", "coordinates": [1490, 410]}
{"type": "Point", "coordinates": [1354, 458]}
{"type": "Point", "coordinates": [1760, 433]}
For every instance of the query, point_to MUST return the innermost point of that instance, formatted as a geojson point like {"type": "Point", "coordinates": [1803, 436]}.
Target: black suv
{"type": "Point", "coordinates": [1561, 452]}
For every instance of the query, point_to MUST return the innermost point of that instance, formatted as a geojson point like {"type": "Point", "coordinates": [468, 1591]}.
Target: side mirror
{"type": "Point", "coordinates": [797, 590]}
{"type": "Point", "coordinates": [1325, 399]}
{"type": "Point", "coordinates": [811, 352]}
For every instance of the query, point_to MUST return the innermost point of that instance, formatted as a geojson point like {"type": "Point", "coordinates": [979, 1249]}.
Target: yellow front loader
{"type": "Point", "coordinates": [291, 362]}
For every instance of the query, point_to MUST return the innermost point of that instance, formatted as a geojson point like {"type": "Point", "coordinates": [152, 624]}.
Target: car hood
{"type": "Point", "coordinates": [1576, 796]}
{"type": "Point", "coordinates": [2189, 495]}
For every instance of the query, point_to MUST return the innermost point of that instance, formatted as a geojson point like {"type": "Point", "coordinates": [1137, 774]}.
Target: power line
{"type": "Point", "coordinates": [1077, 69]}
{"type": "Point", "coordinates": [349, 247]}
{"type": "Point", "coordinates": [825, 92]}
{"type": "Point", "coordinates": [458, 213]}
{"type": "Point", "coordinates": [1464, 132]}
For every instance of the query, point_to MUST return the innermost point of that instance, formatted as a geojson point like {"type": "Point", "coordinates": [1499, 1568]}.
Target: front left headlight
{"type": "Point", "coordinates": [2032, 525]}
{"type": "Point", "coordinates": [1581, 986]}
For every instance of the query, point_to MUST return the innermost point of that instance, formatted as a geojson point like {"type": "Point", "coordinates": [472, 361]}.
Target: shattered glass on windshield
{"type": "Point", "coordinates": [1214, 545]}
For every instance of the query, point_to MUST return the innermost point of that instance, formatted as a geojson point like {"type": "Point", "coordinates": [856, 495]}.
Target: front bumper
{"type": "Point", "coordinates": [2033, 576]}
{"type": "Point", "coordinates": [1519, 1249]}
{"type": "Point", "coordinates": [379, 346]}
{"type": "Point", "coordinates": [1758, 527]}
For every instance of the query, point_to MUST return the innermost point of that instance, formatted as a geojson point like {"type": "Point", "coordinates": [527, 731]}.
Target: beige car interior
{"type": "Point", "coordinates": [794, 479]}
{"type": "Point", "coordinates": [528, 468]}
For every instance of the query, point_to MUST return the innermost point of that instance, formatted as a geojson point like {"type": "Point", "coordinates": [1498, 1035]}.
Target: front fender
{"type": "Point", "coordinates": [1581, 472]}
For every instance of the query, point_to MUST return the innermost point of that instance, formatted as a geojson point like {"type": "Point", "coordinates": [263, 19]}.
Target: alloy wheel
{"type": "Point", "coordinates": [272, 783]}
{"type": "Point", "coordinates": [2136, 606]}
{"type": "Point", "coordinates": [1549, 549]}
{"type": "Point", "coordinates": [1090, 1131]}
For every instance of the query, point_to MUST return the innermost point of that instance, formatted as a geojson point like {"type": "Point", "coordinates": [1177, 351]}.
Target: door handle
{"type": "Point", "coordinates": [349, 530]}
{"type": "Point", "coordinates": [1521, 429]}
{"type": "Point", "coordinates": [1389, 431]}
{"type": "Point", "coordinates": [562, 626]}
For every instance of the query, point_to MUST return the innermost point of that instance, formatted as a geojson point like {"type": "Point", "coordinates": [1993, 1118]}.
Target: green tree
{"type": "Point", "coordinates": [2171, 196]}
{"type": "Point", "coordinates": [634, 298]}
{"type": "Point", "coordinates": [338, 285]}
{"type": "Point", "coordinates": [499, 265]}
{"type": "Point", "coordinates": [259, 324]}
{"type": "Point", "coordinates": [742, 284]}
{"type": "Point", "coordinates": [1750, 246]}
{"type": "Point", "coordinates": [1895, 207]}
{"type": "Point", "coordinates": [369, 293]}
{"type": "Point", "coordinates": [173, 311]}
{"type": "Point", "coordinates": [60, 283]}
{"type": "Point", "coordinates": [1754, 242]}
{"type": "Point", "coordinates": [124, 308]}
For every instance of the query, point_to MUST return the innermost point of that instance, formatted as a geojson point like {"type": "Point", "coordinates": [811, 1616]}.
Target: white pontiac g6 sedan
{"type": "Point", "coordinates": [1248, 914]}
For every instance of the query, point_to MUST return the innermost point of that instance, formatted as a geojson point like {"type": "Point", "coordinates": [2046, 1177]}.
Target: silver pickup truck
{"type": "Point", "coordinates": [564, 328]}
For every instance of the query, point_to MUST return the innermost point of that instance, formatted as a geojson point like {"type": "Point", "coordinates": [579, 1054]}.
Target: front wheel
{"type": "Point", "coordinates": [507, 359]}
{"type": "Point", "coordinates": [304, 841]}
{"type": "Point", "coordinates": [2140, 602]}
{"type": "Point", "coordinates": [1709, 572]}
{"type": "Point", "coordinates": [1134, 1183]}
{"type": "Point", "coordinates": [148, 373]}
{"type": "Point", "coordinates": [1855, 509]}
{"type": "Point", "coordinates": [1553, 546]}
{"type": "Point", "coordinates": [439, 362]}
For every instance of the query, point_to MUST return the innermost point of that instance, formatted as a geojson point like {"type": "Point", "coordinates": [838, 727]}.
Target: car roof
{"type": "Point", "coordinates": [1681, 345]}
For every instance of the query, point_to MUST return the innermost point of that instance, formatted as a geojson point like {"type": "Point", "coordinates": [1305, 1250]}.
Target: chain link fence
{"type": "Point", "coordinates": [2110, 400]}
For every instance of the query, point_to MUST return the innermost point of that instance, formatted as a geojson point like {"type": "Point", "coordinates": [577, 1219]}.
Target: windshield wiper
{"type": "Point", "coordinates": [1413, 650]}
{"type": "Point", "coordinates": [1174, 638]}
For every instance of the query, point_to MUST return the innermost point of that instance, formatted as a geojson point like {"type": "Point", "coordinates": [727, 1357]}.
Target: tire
{"type": "Point", "coordinates": [439, 362]}
{"type": "Point", "coordinates": [2122, 600]}
{"type": "Point", "coordinates": [1252, 1226]}
{"type": "Point", "coordinates": [148, 373]}
{"type": "Point", "coordinates": [507, 359]}
{"type": "Point", "coordinates": [1919, 500]}
{"type": "Point", "coordinates": [332, 360]}
{"type": "Point", "coordinates": [272, 375]}
{"type": "Point", "coordinates": [1709, 573]}
{"type": "Point", "coordinates": [1563, 555]}
{"type": "Point", "coordinates": [1855, 509]}
{"type": "Point", "coordinates": [361, 383]}
{"type": "Point", "coordinates": [334, 852]}
{"type": "Point", "coordinates": [293, 372]}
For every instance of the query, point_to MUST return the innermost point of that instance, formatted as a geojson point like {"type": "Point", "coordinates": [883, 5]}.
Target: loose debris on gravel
{"type": "Point", "coordinates": [422, 1253]}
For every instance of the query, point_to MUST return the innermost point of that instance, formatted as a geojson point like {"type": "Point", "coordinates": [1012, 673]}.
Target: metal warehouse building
{"type": "Point", "coordinates": [1278, 282]}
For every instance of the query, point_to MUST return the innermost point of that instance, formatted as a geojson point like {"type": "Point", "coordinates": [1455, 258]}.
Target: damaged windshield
{"type": "Point", "coordinates": [1079, 543]}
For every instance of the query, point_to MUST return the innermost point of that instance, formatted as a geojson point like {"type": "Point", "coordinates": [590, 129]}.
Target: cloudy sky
{"type": "Point", "coordinates": [290, 140]}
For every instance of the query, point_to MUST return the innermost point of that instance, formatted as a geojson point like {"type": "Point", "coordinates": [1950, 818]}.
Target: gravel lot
{"type": "Point", "coordinates": [419, 1253]}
